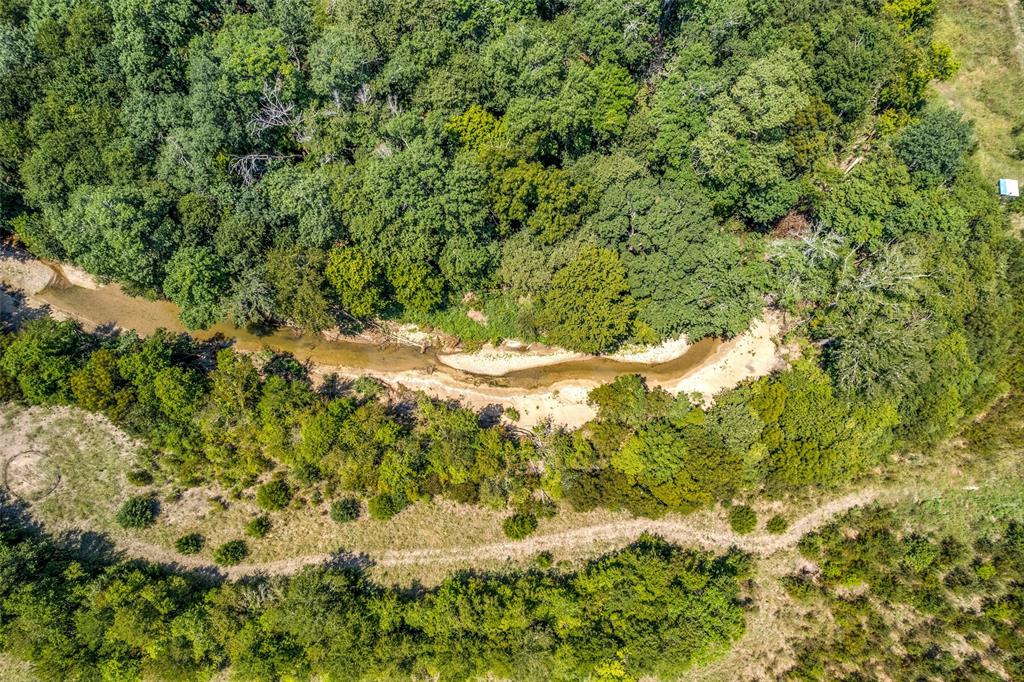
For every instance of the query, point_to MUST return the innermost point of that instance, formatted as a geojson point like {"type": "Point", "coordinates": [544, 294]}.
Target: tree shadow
{"type": "Point", "coordinates": [350, 561]}
{"type": "Point", "coordinates": [90, 547]}
{"type": "Point", "coordinates": [107, 332]}
{"type": "Point", "coordinates": [334, 386]}
{"type": "Point", "coordinates": [15, 513]}
{"type": "Point", "coordinates": [490, 416]}
{"type": "Point", "coordinates": [285, 365]}
{"type": "Point", "coordinates": [15, 312]}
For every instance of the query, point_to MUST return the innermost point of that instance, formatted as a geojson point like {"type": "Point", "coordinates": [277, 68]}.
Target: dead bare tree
{"type": "Point", "coordinates": [364, 95]}
{"type": "Point", "coordinates": [273, 112]}
{"type": "Point", "coordinates": [251, 167]}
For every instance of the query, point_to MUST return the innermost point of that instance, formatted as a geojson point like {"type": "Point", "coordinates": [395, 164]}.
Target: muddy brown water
{"type": "Point", "coordinates": [109, 305]}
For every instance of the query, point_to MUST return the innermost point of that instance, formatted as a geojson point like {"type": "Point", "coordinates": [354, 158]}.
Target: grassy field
{"type": "Point", "coordinates": [990, 84]}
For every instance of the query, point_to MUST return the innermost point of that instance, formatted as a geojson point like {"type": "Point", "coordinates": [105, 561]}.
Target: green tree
{"type": "Point", "coordinates": [742, 151]}
{"type": "Point", "coordinates": [231, 553]}
{"type": "Point", "coordinates": [97, 385]}
{"type": "Point", "coordinates": [196, 282]}
{"type": "Point", "coordinates": [137, 512]}
{"type": "Point", "coordinates": [189, 544]}
{"type": "Point", "coordinates": [297, 276]}
{"type": "Point", "coordinates": [345, 510]}
{"type": "Point", "coordinates": [386, 505]}
{"type": "Point", "coordinates": [120, 233]}
{"type": "Point", "coordinates": [935, 148]}
{"type": "Point", "coordinates": [742, 519]}
{"type": "Point", "coordinates": [259, 526]}
{"type": "Point", "coordinates": [813, 437]}
{"type": "Point", "coordinates": [42, 359]}
{"type": "Point", "coordinates": [777, 525]}
{"type": "Point", "coordinates": [518, 526]}
{"type": "Point", "coordinates": [356, 280]}
{"type": "Point", "coordinates": [588, 306]}
{"type": "Point", "coordinates": [274, 495]}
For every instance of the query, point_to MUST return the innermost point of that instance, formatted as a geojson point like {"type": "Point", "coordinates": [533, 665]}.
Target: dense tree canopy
{"type": "Point", "coordinates": [325, 164]}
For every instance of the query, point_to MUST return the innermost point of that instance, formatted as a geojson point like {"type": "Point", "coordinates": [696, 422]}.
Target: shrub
{"type": "Point", "coordinates": [368, 387]}
{"type": "Point", "coordinates": [464, 493]}
{"type": "Point", "coordinates": [189, 544]}
{"type": "Point", "coordinates": [345, 510]}
{"type": "Point", "coordinates": [742, 519]}
{"type": "Point", "coordinates": [231, 553]}
{"type": "Point", "coordinates": [518, 526]}
{"type": "Point", "coordinates": [258, 527]}
{"type": "Point", "coordinates": [307, 474]}
{"type": "Point", "coordinates": [139, 477]}
{"type": "Point", "coordinates": [799, 588]}
{"type": "Point", "coordinates": [138, 512]}
{"type": "Point", "coordinates": [777, 525]}
{"type": "Point", "coordinates": [274, 495]}
{"type": "Point", "coordinates": [386, 505]}
{"type": "Point", "coordinates": [544, 560]}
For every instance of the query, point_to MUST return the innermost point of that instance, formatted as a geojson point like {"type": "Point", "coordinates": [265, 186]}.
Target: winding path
{"type": "Point", "coordinates": [679, 531]}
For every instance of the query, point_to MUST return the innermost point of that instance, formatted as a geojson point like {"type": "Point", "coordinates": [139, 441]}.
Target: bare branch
{"type": "Point", "coordinates": [273, 113]}
{"type": "Point", "coordinates": [251, 166]}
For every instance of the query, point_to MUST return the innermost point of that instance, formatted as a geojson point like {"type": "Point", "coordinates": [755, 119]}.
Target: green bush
{"type": "Point", "coordinates": [518, 526]}
{"type": "Point", "coordinates": [742, 519]}
{"type": "Point", "coordinates": [189, 544]}
{"type": "Point", "coordinates": [274, 495]}
{"type": "Point", "coordinates": [307, 474]}
{"type": "Point", "coordinates": [345, 510]}
{"type": "Point", "coordinates": [231, 553]}
{"type": "Point", "coordinates": [139, 477]}
{"type": "Point", "coordinates": [386, 505]}
{"type": "Point", "coordinates": [368, 387]}
{"type": "Point", "coordinates": [258, 527]}
{"type": "Point", "coordinates": [800, 588]}
{"type": "Point", "coordinates": [777, 525]}
{"type": "Point", "coordinates": [138, 512]}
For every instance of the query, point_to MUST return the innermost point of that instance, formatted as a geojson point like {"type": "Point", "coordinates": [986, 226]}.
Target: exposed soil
{"type": "Point", "coordinates": [29, 477]}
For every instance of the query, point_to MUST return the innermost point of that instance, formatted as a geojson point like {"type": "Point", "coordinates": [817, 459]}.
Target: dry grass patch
{"type": "Point", "coordinates": [13, 670]}
{"type": "Point", "coordinates": [67, 464]}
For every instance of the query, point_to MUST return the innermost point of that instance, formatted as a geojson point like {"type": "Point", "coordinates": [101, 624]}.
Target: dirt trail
{"type": "Point", "coordinates": [679, 531]}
